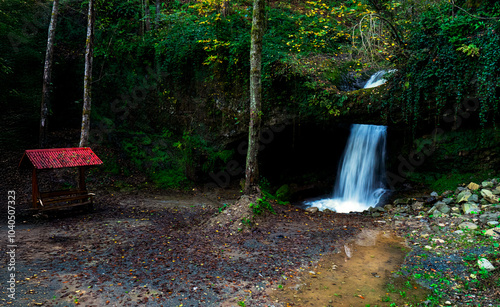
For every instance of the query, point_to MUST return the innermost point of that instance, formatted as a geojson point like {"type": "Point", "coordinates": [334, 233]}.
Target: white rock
{"type": "Point", "coordinates": [312, 209]}
{"type": "Point", "coordinates": [493, 232]}
{"type": "Point", "coordinates": [488, 195]}
{"type": "Point", "coordinates": [484, 263]}
{"type": "Point", "coordinates": [487, 184]}
{"type": "Point", "coordinates": [470, 208]}
{"type": "Point", "coordinates": [467, 225]}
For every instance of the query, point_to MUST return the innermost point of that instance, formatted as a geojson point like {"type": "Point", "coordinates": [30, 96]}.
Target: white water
{"type": "Point", "coordinates": [377, 79]}
{"type": "Point", "coordinates": [359, 184]}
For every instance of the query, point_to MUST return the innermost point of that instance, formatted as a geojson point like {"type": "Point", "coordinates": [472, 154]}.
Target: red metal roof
{"type": "Point", "coordinates": [62, 157]}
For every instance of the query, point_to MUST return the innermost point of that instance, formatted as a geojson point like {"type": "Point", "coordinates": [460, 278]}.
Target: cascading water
{"type": "Point", "coordinates": [361, 172]}
{"type": "Point", "coordinates": [377, 79]}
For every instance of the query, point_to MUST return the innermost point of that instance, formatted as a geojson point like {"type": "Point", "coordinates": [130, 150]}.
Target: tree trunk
{"type": "Point", "coordinates": [157, 14]}
{"type": "Point", "coordinates": [47, 76]}
{"type": "Point", "coordinates": [87, 83]}
{"type": "Point", "coordinates": [147, 15]}
{"type": "Point", "coordinates": [252, 168]}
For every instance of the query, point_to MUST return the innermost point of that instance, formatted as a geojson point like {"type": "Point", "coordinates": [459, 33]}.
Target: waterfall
{"type": "Point", "coordinates": [361, 171]}
{"type": "Point", "coordinates": [377, 79]}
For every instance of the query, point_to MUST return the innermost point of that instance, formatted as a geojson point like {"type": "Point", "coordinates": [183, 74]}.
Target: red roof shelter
{"type": "Point", "coordinates": [59, 158]}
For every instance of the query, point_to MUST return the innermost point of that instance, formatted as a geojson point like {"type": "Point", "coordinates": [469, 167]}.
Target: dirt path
{"type": "Point", "coordinates": [360, 274]}
{"type": "Point", "coordinates": [159, 250]}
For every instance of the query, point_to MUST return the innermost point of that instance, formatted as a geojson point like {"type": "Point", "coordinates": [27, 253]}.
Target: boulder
{"type": "Point", "coordinates": [488, 196]}
{"type": "Point", "coordinates": [470, 208]}
{"type": "Point", "coordinates": [487, 184]}
{"type": "Point", "coordinates": [435, 194]}
{"type": "Point", "coordinates": [447, 200]}
{"type": "Point", "coordinates": [474, 198]}
{"type": "Point", "coordinates": [442, 207]}
{"type": "Point", "coordinates": [485, 264]}
{"type": "Point", "coordinates": [459, 189]}
{"type": "Point", "coordinates": [464, 196]}
{"type": "Point", "coordinates": [473, 186]}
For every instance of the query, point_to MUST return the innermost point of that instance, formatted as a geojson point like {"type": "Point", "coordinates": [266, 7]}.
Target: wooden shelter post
{"type": "Point", "coordinates": [34, 183]}
{"type": "Point", "coordinates": [81, 181]}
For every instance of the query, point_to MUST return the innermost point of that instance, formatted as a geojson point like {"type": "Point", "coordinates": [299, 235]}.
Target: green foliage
{"type": "Point", "coordinates": [283, 193]}
{"type": "Point", "coordinates": [170, 163]}
{"type": "Point", "coordinates": [453, 55]}
{"type": "Point", "coordinates": [471, 50]}
{"type": "Point", "coordinates": [223, 208]}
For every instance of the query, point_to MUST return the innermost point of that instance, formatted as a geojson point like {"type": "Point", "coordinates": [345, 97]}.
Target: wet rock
{"type": "Point", "coordinates": [487, 184]}
{"type": "Point", "coordinates": [401, 201]}
{"type": "Point", "coordinates": [388, 207]}
{"type": "Point", "coordinates": [488, 196]}
{"type": "Point", "coordinates": [484, 263]}
{"type": "Point", "coordinates": [493, 232]}
{"type": "Point", "coordinates": [464, 196]}
{"type": "Point", "coordinates": [470, 208]}
{"type": "Point", "coordinates": [473, 186]}
{"type": "Point", "coordinates": [468, 225]}
{"type": "Point", "coordinates": [493, 223]}
{"type": "Point", "coordinates": [376, 214]}
{"type": "Point", "coordinates": [434, 194]}
{"type": "Point", "coordinates": [312, 209]}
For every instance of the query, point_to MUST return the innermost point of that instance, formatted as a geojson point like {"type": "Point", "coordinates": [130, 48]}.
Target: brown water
{"type": "Point", "coordinates": [361, 274]}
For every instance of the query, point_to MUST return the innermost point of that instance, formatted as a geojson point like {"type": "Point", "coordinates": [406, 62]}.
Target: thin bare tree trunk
{"type": "Point", "coordinates": [252, 168]}
{"type": "Point", "coordinates": [47, 77]}
{"type": "Point", "coordinates": [87, 83]}
{"type": "Point", "coordinates": [147, 15]}
{"type": "Point", "coordinates": [157, 14]}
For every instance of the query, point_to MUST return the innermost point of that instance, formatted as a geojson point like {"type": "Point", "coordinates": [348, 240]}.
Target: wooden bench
{"type": "Point", "coordinates": [64, 199]}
